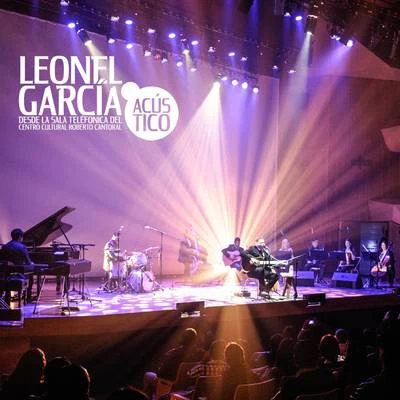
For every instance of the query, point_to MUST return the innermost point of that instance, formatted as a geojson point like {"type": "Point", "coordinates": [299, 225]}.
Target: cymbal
{"type": "Point", "coordinates": [149, 249]}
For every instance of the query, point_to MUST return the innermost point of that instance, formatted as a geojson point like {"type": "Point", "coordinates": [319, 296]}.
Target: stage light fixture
{"type": "Point", "coordinates": [71, 25]}
{"type": "Point", "coordinates": [157, 54]}
{"type": "Point", "coordinates": [245, 85]}
{"type": "Point", "coordinates": [299, 18]}
{"type": "Point", "coordinates": [185, 46]}
{"type": "Point", "coordinates": [164, 57]}
{"type": "Point", "coordinates": [83, 35]}
{"type": "Point", "coordinates": [217, 84]}
{"type": "Point", "coordinates": [172, 35]}
{"type": "Point", "coordinates": [114, 18]}
{"type": "Point", "coordinates": [128, 21]}
{"type": "Point", "coordinates": [244, 59]}
{"type": "Point", "coordinates": [212, 49]}
{"type": "Point", "coordinates": [256, 89]}
{"type": "Point", "coordinates": [235, 82]}
{"type": "Point", "coordinates": [110, 40]}
{"type": "Point", "coordinates": [151, 31]}
{"type": "Point", "coordinates": [346, 40]}
{"type": "Point", "coordinates": [291, 71]}
{"type": "Point", "coordinates": [231, 54]}
{"type": "Point", "coordinates": [311, 24]}
{"type": "Point", "coordinates": [129, 45]}
{"type": "Point", "coordinates": [275, 68]}
{"type": "Point", "coordinates": [194, 42]}
{"type": "Point", "coordinates": [64, 3]}
{"type": "Point", "coordinates": [179, 62]}
{"type": "Point", "coordinates": [146, 51]}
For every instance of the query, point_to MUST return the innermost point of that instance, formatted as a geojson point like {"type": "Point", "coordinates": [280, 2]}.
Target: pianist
{"type": "Point", "coordinates": [16, 252]}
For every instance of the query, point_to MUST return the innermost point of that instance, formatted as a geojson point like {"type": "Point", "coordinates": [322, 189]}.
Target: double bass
{"type": "Point", "coordinates": [380, 270]}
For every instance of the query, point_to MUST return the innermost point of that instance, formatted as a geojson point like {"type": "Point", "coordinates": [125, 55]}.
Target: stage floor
{"type": "Point", "coordinates": [97, 302]}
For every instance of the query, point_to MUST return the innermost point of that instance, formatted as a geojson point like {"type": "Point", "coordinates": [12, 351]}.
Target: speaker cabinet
{"type": "Point", "coordinates": [305, 278]}
{"type": "Point", "coordinates": [347, 279]}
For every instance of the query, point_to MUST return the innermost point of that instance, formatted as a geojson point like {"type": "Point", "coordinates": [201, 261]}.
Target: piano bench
{"type": "Point", "coordinates": [14, 285]}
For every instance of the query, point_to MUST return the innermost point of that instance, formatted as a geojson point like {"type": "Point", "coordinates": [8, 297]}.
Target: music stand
{"type": "Point", "coordinates": [373, 258]}
{"type": "Point", "coordinates": [284, 255]}
{"type": "Point", "coordinates": [318, 255]}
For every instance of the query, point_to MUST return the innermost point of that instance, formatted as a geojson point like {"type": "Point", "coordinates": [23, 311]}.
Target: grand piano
{"type": "Point", "coordinates": [56, 259]}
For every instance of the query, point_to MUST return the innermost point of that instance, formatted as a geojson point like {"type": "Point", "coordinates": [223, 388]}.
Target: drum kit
{"type": "Point", "coordinates": [133, 271]}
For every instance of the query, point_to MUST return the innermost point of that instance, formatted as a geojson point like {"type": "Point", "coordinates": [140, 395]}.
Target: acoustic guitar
{"type": "Point", "coordinates": [234, 257]}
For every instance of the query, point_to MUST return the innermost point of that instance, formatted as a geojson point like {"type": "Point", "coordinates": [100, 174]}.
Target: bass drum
{"type": "Point", "coordinates": [141, 281]}
{"type": "Point", "coordinates": [147, 281]}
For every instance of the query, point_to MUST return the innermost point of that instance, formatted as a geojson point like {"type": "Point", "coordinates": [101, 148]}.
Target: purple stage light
{"type": "Point", "coordinates": [245, 85]}
{"type": "Point", "coordinates": [179, 63]}
{"type": "Point", "coordinates": [256, 89]}
{"type": "Point", "coordinates": [298, 18]}
{"type": "Point", "coordinates": [129, 45]}
{"type": "Point", "coordinates": [350, 43]}
{"type": "Point", "coordinates": [128, 22]}
{"type": "Point", "coordinates": [231, 54]}
{"type": "Point", "coordinates": [172, 35]}
{"type": "Point", "coordinates": [71, 25]}
{"type": "Point", "coordinates": [195, 42]}
{"type": "Point", "coordinates": [110, 40]}
{"type": "Point", "coordinates": [235, 82]}
{"type": "Point", "coordinates": [151, 31]}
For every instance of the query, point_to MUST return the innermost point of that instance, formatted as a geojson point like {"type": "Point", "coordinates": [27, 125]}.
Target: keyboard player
{"type": "Point", "coordinates": [16, 252]}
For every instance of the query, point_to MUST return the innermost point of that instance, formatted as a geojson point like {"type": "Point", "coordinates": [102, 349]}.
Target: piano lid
{"type": "Point", "coordinates": [48, 229]}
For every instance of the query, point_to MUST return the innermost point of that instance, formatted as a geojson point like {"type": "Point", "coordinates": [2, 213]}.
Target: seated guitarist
{"type": "Point", "coordinates": [256, 261]}
{"type": "Point", "coordinates": [233, 254]}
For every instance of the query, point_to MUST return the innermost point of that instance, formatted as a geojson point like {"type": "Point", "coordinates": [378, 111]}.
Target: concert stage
{"type": "Point", "coordinates": [100, 311]}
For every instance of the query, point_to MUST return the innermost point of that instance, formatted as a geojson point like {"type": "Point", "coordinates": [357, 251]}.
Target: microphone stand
{"type": "Point", "coordinates": [162, 233]}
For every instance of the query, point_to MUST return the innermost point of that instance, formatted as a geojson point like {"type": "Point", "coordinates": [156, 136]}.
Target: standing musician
{"type": "Point", "coordinates": [350, 256]}
{"type": "Point", "coordinates": [256, 261]}
{"type": "Point", "coordinates": [385, 264]}
{"type": "Point", "coordinates": [191, 254]}
{"type": "Point", "coordinates": [232, 254]}
{"type": "Point", "coordinates": [112, 261]}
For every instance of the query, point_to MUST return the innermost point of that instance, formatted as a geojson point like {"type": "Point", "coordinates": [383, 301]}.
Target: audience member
{"type": "Point", "coordinates": [310, 378]}
{"type": "Point", "coordinates": [384, 385]}
{"type": "Point", "coordinates": [27, 378]}
{"type": "Point", "coordinates": [186, 351]}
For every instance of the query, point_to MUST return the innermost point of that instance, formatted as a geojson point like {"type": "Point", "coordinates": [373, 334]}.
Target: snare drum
{"type": "Point", "coordinates": [137, 260]}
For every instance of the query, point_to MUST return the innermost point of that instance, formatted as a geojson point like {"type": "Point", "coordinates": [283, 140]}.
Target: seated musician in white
{"type": "Point", "coordinates": [233, 254]}
{"type": "Point", "coordinates": [288, 276]}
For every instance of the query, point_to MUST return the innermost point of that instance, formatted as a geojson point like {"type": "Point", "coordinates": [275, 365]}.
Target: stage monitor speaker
{"type": "Point", "coordinates": [305, 278]}
{"type": "Point", "coordinates": [193, 308]}
{"type": "Point", "coordinates": [347, 279]}
{"type": "Point", "coordinates": [314, 299]}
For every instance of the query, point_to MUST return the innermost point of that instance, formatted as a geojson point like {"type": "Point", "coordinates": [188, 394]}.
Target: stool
{"type": "Point", "coordinates": [14, 285]}
{"type": "Point", "coordinates": [252, 282]}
